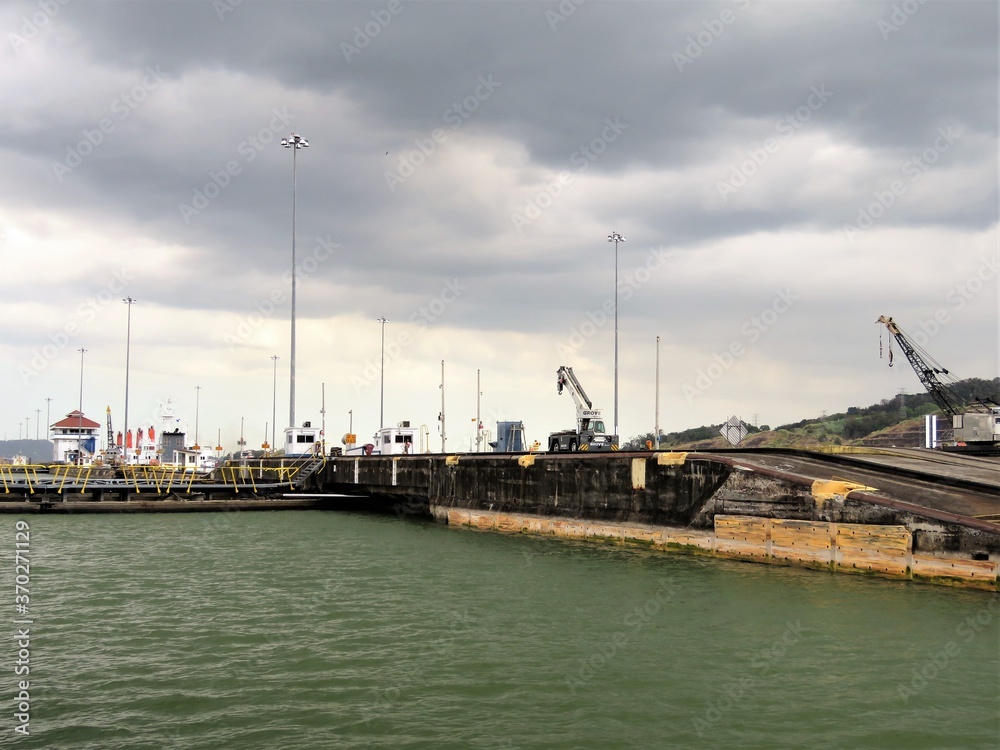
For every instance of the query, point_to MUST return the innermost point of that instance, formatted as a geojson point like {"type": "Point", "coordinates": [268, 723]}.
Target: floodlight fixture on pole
{"type": "Point", "coordinates": [294, 142]}
{"type": "Point", "coordinates": [616, 238]}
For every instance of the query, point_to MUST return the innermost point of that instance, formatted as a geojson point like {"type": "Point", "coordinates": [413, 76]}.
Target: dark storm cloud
{"type": "Point", "coordinates": [695, 88]}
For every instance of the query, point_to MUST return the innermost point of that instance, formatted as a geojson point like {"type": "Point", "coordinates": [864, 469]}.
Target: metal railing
{"type": "Point", "coordinates": [9, 473]}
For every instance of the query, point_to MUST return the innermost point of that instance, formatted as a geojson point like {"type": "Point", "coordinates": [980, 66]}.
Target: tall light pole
{"type": "Point", "coordinates": [79, 435]}
{"type": "Point", "coordinates": [381, 399]}
{"type": "Point", "coordinates": [616, 238]}
{"type": "Point", "coordinates": [656, 416]}
{"type": "Point", "coordinates": [129, 301]}
{"type": "Point", "coordinates": [197, 404]}
{"type": "Point", "coordinates": [48, 418]}
{"type": "Point", "coordinates": [441, 415]}
{"type": "Point", "coordinates": [274, 401]}
{"type": "Point", "coordinates": [294, 142]}
{"type": "Point", "coordinates": [479, 424]}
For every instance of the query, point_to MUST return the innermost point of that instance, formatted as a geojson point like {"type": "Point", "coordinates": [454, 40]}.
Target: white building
{"type": "Point", "coordinates": [74, 439]}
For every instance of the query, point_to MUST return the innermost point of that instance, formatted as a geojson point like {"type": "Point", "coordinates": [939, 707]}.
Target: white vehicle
{"type": "Point", "coordinates": [590, 434]}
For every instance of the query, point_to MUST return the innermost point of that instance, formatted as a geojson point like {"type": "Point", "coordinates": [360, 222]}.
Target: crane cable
{"type": "Point", "coordinates": [880, 346]}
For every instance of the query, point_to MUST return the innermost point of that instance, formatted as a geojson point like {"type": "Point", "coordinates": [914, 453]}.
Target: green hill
{"type": "Point", "coordinates": [896, 422]}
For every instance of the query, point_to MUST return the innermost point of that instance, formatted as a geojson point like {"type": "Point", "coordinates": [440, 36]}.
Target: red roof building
{"type": "Point", "coordinates": [74, 439]}
{"type": "Point", "coordinates": [74, 421]}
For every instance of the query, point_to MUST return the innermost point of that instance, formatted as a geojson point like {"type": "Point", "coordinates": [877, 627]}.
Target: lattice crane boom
{"type": "Point", "coordinates": [946, 400]}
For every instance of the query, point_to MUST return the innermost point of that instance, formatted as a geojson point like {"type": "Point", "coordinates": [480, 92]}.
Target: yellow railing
{"type": "Point", "coordinates": [79, 473]}
{"type": "Point", "coordinates": [161, 477]}
{"type": "Point", "coordinates": [10, 472]}
{"type": "Point", "coordinates": [164, 478]}
{"type": "Point", "coordinates": [235, 474]}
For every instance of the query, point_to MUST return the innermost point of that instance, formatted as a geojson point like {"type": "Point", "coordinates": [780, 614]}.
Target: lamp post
{"type": "Point", "coordinates": [616, 238]}
{"type": "Point", "coordinates": [441, 415]}
{"type": "Point", "coordinates": [129, 301]}
{"type": "Point", "coordinates": [479, 424]}
{"type": "Point", "coordinates": [197, 404]}
{"type": "Point", "coordinates": [79, 432]}
{"type": "Point", "coordinates": [48, 418]}
{"type": "Point", "coordinates": [274, 401]}
{"type": "Point", "coordinates": [656, 416]}
{"type": "Point", "coordinates": [381, 399]}
{"type": "Point", "coordinates": [294, 142]}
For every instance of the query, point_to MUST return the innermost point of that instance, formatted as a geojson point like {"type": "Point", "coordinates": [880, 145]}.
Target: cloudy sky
{"type": "Point", "coordinates": [783, 173]}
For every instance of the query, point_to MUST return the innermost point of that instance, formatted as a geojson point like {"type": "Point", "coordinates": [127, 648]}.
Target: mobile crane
{"type": "Point", "coordinates": [589, 433]}
{"type": "Point", "coordinates": [113, 455]}
{"type": "Point", "coordinates": [975, 423]}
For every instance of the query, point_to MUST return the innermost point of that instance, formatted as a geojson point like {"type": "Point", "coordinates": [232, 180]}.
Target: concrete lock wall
{"type": "Point", "coordinates": [675, 501]}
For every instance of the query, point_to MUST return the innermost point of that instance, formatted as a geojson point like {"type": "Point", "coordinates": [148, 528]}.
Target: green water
{"type": "Point", "coordinates": [325, 630]}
